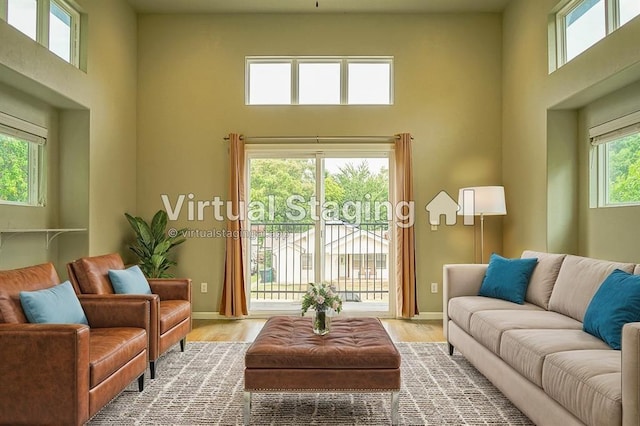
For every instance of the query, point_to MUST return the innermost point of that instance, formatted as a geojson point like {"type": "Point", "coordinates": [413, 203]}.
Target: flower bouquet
{"type": "Point", "coordinates": [321, 297]}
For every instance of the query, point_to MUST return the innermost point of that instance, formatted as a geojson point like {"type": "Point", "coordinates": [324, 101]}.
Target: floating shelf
{"type": "Point", "coordinates": [50, 233]}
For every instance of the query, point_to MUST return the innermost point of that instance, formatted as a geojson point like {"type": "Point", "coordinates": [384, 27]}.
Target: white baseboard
{"type": "Point", "coordinates": [216, 315]}
{"type": "Point", "coordinates": [207, 315]}
{"type": "Point", "coordinates": [428, 316]}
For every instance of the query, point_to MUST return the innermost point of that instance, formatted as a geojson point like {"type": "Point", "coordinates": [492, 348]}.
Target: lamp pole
{"type": "Point", "coordinates": [481, 237]}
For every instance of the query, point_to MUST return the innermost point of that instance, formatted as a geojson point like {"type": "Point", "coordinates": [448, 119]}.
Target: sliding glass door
{"type": "Point", "coordinates": [308, 229]}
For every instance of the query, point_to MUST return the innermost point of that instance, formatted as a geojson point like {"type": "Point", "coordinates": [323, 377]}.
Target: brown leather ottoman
{"type": "Point", "coordinates": [356, 356]}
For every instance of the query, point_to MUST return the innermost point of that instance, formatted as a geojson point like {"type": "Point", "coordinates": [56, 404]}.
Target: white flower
{"type": "Point", "coordinates": [319, 299]}
{"type": "Point", "coordinates": [335, 304]}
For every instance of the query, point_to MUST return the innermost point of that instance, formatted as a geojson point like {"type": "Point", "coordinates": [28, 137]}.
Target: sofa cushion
{"type": "Point", "coordinates": [507, 279]}
{"type": "Point", "coordinates": [616, 303]}
{"type": "Point", "coordinates": [544, 276]}
{"type": "Point", "coordinates": [586, 383]}
{"type": "Point", "coordinates": [55, 305]}
{"type": "Point", "coordinates": [462, 308]}
{"type": "Point", "coordinates": [636, 271]}
{"type": "Point", "coordinates": [578, 281]}
{"type": "Point", "coordinates": [112, 348]}
{"type": "Point", "coordinates": [487, 326]}
{"type": "Point", "coordinates": [525, 350]}
{"type": "Point", "coordinates": [129, 281]}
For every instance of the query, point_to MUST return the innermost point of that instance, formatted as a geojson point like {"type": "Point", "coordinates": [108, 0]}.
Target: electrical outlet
{"type": "Point", "coordinates": [203, 287]}
{"type": "Point", "coordinates": [434, 287]}
{"type": "Point", "coordinates": [434, 227]}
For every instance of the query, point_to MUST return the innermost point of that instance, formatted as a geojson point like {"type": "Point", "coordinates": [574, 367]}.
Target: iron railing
{"type": "Point", "coordinates": [355, 258]}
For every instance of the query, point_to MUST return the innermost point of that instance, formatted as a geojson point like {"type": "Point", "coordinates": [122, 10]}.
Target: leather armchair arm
{"type": "Point", "coordinates": [105, 311]}
{"type": "Point", "coordinates": [171, 288]}
{"type": "Point", "coordinates": [45, 374]}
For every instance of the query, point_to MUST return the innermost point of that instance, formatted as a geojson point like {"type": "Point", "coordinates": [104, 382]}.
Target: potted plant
{"type": "Point", "coordinates": [153, 244]}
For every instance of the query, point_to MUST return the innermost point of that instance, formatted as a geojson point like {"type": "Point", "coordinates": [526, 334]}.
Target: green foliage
{"type": "Point", "coordinates": [14, 169]}
{"type": "Point", "coordinates": [624, 170]}
{"type": "Point", "coordinates": [152, 244]}
{"type": "Point", "coordinates": [282, 178]}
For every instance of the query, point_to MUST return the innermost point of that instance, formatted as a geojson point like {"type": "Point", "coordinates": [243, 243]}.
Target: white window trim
{"type": "Point", "coordinates": [319, 152]}
{"type": "Point", "coordinates": [42, 25]}
{"type": "Point", "coordinates": [599, 136]}
{"type": "Point", "coordinates": [36, 136]}
{"type": "Point", "coordinates": [557, 31]}
{"type": "Point", "coordinates": [344, 74]}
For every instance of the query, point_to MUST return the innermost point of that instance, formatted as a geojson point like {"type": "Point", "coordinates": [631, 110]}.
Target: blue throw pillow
{"type": "Point", "coordinates": [507, 279]}
{"type": "Point", "coordinates": [55, 305]}
{"type": "Point", "coordinates": [616, 303]}
{"type": "Point", "coordinates": [129, 281]}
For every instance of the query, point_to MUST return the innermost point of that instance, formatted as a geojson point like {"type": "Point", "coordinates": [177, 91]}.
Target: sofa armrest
{"type": "Point", "coordinates": [106, 311]}
{"type": "Point", "coordinates": [460, 280]}
{"type": "Point", "coordinates": [631, 374]}
{"type": "Point", "coordinates": [45, 373]}
{"type": "Point", "coordinates": [171, 288]}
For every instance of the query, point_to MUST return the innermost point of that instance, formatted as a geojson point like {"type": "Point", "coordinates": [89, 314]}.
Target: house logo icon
{"type": "Point", "coordinates": [442, 204]}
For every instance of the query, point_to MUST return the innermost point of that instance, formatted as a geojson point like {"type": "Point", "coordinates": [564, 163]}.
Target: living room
{"type": "Point", "coordinates": [158, 86]}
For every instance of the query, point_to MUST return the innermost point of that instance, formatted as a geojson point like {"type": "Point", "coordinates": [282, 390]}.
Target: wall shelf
{"type": "Point", "coordinates": [50, 233]}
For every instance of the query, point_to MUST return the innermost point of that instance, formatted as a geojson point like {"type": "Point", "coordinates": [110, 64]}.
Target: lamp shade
{"type": "Point", "coordinates": [482, 200]}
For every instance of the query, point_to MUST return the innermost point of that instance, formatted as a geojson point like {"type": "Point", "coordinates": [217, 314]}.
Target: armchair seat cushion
{"type": "Point", "coordinates": [112, 348]}
{"type": "Point", "coordinates": [172, 313]}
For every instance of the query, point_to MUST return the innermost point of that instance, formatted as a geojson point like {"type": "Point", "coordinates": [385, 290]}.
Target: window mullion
{"type": "Point", "coordinates": [42, 29]}
{"type": "Point", "coordinates": [612, 13]}
{"type": "Point", "coordinates": [294, 82]}
{"type": "Point", "coordinates": [344, 81]}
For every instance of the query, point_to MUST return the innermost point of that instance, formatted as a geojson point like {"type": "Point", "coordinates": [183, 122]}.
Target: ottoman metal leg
{"type": "Point", "coordinates": [246, 411]}
{"type": "Point", "coordinates": [395, 405]}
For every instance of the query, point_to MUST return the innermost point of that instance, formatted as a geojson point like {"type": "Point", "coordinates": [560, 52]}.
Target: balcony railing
{"type": "Point", "coordinates": [355, 258]}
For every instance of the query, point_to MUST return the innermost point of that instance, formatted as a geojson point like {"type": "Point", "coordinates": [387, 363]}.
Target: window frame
{"type": "Point", "coordinates": [295, 61]}
{"type": "Point", "coordinates": [558, 34]}
{"type": "Point", "coordinates": [601, 136]}
{"type": "Point", "coordinates": [42, 26]}
{"type": "Point", "coordinates": [36, 138]}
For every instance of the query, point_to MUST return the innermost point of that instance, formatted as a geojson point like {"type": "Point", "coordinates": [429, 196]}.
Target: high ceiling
{"type": "Point", "coordinates": [324, 6]}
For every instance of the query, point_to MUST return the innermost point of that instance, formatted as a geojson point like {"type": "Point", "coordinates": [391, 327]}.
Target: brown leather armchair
{"type": "Point", "coordinates": [170, 302]}
{"type": "Point", "coordinates": [65, 373]}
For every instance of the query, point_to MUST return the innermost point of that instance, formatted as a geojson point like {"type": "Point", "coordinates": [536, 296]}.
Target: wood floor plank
{"type": "Point", "coordinates": [246, 330]}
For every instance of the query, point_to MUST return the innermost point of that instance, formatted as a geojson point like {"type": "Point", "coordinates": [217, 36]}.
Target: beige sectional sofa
{"type": "Point", "coordinates": [537, 353]}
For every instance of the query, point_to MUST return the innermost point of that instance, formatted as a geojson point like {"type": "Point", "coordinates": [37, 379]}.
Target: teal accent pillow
{"type": "Point", "coordinates": [55, 305]}
{"type": "Point", "coordinates": [129, 281]}
{"type": "Point", "coordinates": [616, 303]}
{"type": "Point", "coordinates": [507, 279]}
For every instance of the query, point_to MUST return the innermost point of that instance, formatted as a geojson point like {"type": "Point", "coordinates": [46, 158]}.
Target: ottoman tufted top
{"type": "Point", "coordinates": [353, 343]}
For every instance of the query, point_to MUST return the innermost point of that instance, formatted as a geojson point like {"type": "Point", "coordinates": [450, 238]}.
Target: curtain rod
{"type": "Point", "coordinates": [318, 139]}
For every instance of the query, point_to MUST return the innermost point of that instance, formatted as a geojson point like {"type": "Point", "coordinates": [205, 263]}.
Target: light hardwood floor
{"type": "Point", "coordinates": [245, 330]}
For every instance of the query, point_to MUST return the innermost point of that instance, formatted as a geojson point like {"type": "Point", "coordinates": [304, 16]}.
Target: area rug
{"type": "Point", "coordinates": [204, 385]}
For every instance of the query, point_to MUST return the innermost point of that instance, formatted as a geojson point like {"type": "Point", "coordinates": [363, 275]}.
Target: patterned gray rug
{"type": "Point", "coordinates": [204, 385]}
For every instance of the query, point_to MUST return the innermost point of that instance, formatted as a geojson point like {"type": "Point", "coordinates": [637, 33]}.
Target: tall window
{"type": "Point", "coordinates": [580, 24]}
{"type": "Point", "coordinates": [319, 216]}
{"type": "Point", "coordinates": [319, 80]}
{"type": "Point", "coordinates": [616, 151]}
{"type": "Point", "coordinates": [21, 161]}
{"type": "Point", "coordinates": [52, 23]}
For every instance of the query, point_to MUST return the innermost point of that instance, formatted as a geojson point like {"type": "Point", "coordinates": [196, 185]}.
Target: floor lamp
{"type": "Point", "coordinates": [481, 201]}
